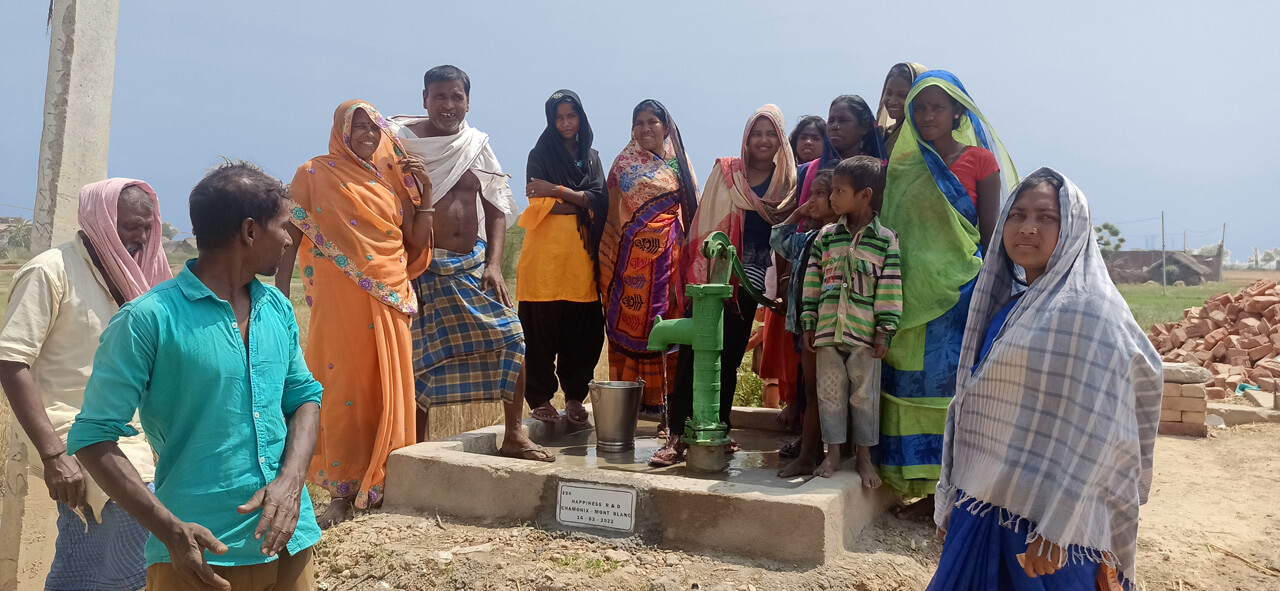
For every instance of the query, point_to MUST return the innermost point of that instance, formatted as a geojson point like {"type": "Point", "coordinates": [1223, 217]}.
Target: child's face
{"type": "Point", "coordinates": [819, 205]}
{"type": "Point", "coordinates": [1031, 230]}
{"type": "Point", "coordinates": [846, 201]}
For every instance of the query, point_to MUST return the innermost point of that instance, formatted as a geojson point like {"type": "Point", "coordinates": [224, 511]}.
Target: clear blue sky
{"type": "Point", "coordinates": [1145, 108]}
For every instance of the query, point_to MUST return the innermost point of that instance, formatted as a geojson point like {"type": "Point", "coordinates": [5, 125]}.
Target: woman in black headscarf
{"type": "Point", "coordinates": [556, 279]}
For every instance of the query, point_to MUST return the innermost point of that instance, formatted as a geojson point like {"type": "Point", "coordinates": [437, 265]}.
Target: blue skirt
{"type": "Point", "coordinates": [980, 554]}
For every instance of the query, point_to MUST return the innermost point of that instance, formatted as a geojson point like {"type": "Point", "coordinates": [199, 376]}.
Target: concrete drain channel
{"type": "Point", "coordinates": [746, 511]}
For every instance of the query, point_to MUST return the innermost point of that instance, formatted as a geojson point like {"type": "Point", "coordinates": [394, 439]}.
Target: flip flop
{"type": "Point", "coordinates": [536, 453]}
{"type": "Point", "coordinates": [790, 450]}
{"type": "Point", "coordinates": [568, 414]}
{"type": "Point", "coordinates": [547, 414]}
{"type": "Point", "coordinates": [667, 456]}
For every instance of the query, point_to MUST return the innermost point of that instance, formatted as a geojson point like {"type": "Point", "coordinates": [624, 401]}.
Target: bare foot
{"type": "Point", "coordinates": [789, 418]}
{"type": "Point", "coordinates": [801, 466]}
{"type": "Point", "coordinates": [867, 470]}
{"type": "Point", "coordinates": [339, 511]}
{"type": "Point", "coordinates": [829, 466]}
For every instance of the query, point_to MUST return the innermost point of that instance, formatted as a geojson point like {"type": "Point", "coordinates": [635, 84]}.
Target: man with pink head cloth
{"type": "Point", "coordinates": [61, 301]}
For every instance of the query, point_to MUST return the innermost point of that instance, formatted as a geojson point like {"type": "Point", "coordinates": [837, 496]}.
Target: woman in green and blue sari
{"type": "Point", "coordinates": [948, 175]}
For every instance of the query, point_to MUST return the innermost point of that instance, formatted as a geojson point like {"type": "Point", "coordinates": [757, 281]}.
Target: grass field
{"type": "Point", "coordinates": [1152, 304]}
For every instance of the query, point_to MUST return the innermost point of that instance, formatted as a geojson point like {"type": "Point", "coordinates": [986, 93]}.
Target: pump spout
{"type": "Point", "coordinates": [678, 331]}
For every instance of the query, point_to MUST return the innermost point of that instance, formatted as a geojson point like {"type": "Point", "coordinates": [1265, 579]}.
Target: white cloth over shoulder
{"type": "Point", "coordinates": [449, 157]}
{"type": "Point", "coordinates": [1058, 423]}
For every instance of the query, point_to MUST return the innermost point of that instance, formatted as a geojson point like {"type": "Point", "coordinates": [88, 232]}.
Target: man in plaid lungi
{"type": "Point", "coordinates": [468, 344]}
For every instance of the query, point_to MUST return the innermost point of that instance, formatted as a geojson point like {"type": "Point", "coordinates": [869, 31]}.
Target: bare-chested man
{"type": "Point", "coordinates": [468, 343]}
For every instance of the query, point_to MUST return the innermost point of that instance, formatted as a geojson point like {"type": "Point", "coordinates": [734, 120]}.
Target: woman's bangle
{"type": "Point", "coordinates": [426, 210]}
{"type": "Point", "coordinates": [47, 458]}
{"type": "Point", "coordinates": [559, 190]}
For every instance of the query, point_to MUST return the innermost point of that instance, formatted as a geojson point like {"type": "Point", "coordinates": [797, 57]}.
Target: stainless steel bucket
{"type": "Point", "coordinates": [616, 407]}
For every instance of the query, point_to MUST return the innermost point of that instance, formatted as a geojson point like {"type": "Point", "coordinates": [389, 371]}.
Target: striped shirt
{"type": "Point", "coordinates": [852, 284]}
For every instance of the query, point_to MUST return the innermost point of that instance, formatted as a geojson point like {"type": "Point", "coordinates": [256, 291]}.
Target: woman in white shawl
{"type": "Point", "coordinates": [1048, 445]}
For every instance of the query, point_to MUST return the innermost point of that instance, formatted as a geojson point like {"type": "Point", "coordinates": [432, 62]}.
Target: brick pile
{"type": "Point", "coordinates": [1182, 410]}
{"type": "Point", "coordinates": [1235, 336]}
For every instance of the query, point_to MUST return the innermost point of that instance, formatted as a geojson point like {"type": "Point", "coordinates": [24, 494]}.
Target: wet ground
{"type": "Point", "coordinates": [757, 462]}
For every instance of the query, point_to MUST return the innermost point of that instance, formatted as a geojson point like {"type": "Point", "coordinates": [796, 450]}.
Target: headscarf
{"type": "Point", "coordinates": [727, 195]}
{"type": "Point", "coordinates": [674, 148]}
{"type": "Point", "coordinates": [351, 210]}
{"type": "Point", "coordinates": [651, 204]}
{"type": "Point", "coordinates": [871, 142]}
{"type": "Point", "coordinates": [1058, 423]}
{"type": "Point", "coordinates": [936, 220]}
{"type": "Point", "coordinates": [98, 216]}
{"type": "Point", "coordinates": [888, 126]}
{"type": "Point", "coordinates": [551, 162]}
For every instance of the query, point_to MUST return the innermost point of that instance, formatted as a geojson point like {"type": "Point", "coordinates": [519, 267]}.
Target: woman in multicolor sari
{"type": "Point", "coordinates": [653, 195]}
{"type": "Point", "coordinates": [366, 239]}
{"type": "Point", "coordinates": [947, 177]}
{"type": "Point", "coordinates": [1043, 472]}
{"type": "Point", "coordinates": [744, 197]}
{"type": "Point", "coordinates": [893, 100]}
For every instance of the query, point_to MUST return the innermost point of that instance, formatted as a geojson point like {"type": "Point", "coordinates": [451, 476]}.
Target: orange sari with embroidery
{"type": "Point", "coordinates": [358, 274]}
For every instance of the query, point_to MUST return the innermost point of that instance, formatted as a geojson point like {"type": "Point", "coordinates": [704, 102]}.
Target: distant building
{"type": "Point", "coordinates": [1141, 266]}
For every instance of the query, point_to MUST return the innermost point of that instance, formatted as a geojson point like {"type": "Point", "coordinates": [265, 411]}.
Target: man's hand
{"type": "Point", "coordinates": [1042, 558]}
{"type": "Point", "coordinates": [65, 480]}
{"type": "Point", "coordinates": [808, 341]}
{"type": "Point", "coordinates": [492, 280]}
{"type": "Point", "coordinates": [186, 545]}
{"type": "Point", "coordinates": [279, 501]}
{"type": "Point", "coordinates": [881, 345]}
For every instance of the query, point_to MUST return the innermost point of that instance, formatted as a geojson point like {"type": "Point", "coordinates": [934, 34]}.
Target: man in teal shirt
{"type": "Point", "coordinates": [211, 363]}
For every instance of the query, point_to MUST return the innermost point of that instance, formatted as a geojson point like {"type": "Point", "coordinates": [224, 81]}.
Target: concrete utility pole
{"type": "Point", "coordinates": [77, 114]}
{"type": "Point", "coordinates": [73, 153]}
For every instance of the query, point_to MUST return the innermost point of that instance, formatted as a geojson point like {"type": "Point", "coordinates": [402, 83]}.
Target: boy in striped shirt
{"type": "Point", "coordinates": [851, 307]}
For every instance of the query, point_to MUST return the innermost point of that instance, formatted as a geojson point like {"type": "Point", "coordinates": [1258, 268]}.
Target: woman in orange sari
{"type": "Point", "coordinates": [367, 237]}
{"type": "Point", "coordinates": [652, 198]}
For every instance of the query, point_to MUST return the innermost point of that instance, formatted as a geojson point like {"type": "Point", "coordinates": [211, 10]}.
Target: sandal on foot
{"type": "Point", "coordinates": [667, 456]}
{"type": "Point", "coordinates": [790, 450]}
{"type": "Point", "coordinates": [546, 414]}
{"type": "Point", "coordinates": [577, 415]}
{"type": "Point", "coordinates": [533, 453]}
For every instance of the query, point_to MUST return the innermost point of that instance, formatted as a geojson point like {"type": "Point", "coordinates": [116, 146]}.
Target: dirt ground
{"type": "Point", "coordinates": [1210, 497]}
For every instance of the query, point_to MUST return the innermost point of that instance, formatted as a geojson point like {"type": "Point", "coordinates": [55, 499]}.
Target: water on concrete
{"type": "Point", "coordinates": [757, 462]}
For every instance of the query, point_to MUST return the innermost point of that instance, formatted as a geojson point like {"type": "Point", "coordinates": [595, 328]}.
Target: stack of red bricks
{"type": "Point", "coordinates": [1235, 336]}
{"type": "Point", "coordinates": [1182, 410]}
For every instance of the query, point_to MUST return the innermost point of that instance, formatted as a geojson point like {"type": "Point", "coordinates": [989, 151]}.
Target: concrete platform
{"type": "Point", "coordinates": [1234, 414]}
{"type": "Point", "coordinates": [747, 511]}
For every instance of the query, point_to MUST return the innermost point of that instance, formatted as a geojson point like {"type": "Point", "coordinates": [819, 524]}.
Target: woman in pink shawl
{"type": "Point", "coordinates": [743, 197]}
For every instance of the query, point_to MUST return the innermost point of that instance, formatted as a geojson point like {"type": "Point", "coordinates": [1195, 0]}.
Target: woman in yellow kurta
{"type": "Point", "coordinates": [556, 279]}
{"type": "Point", "coordinates": [367, 237]}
